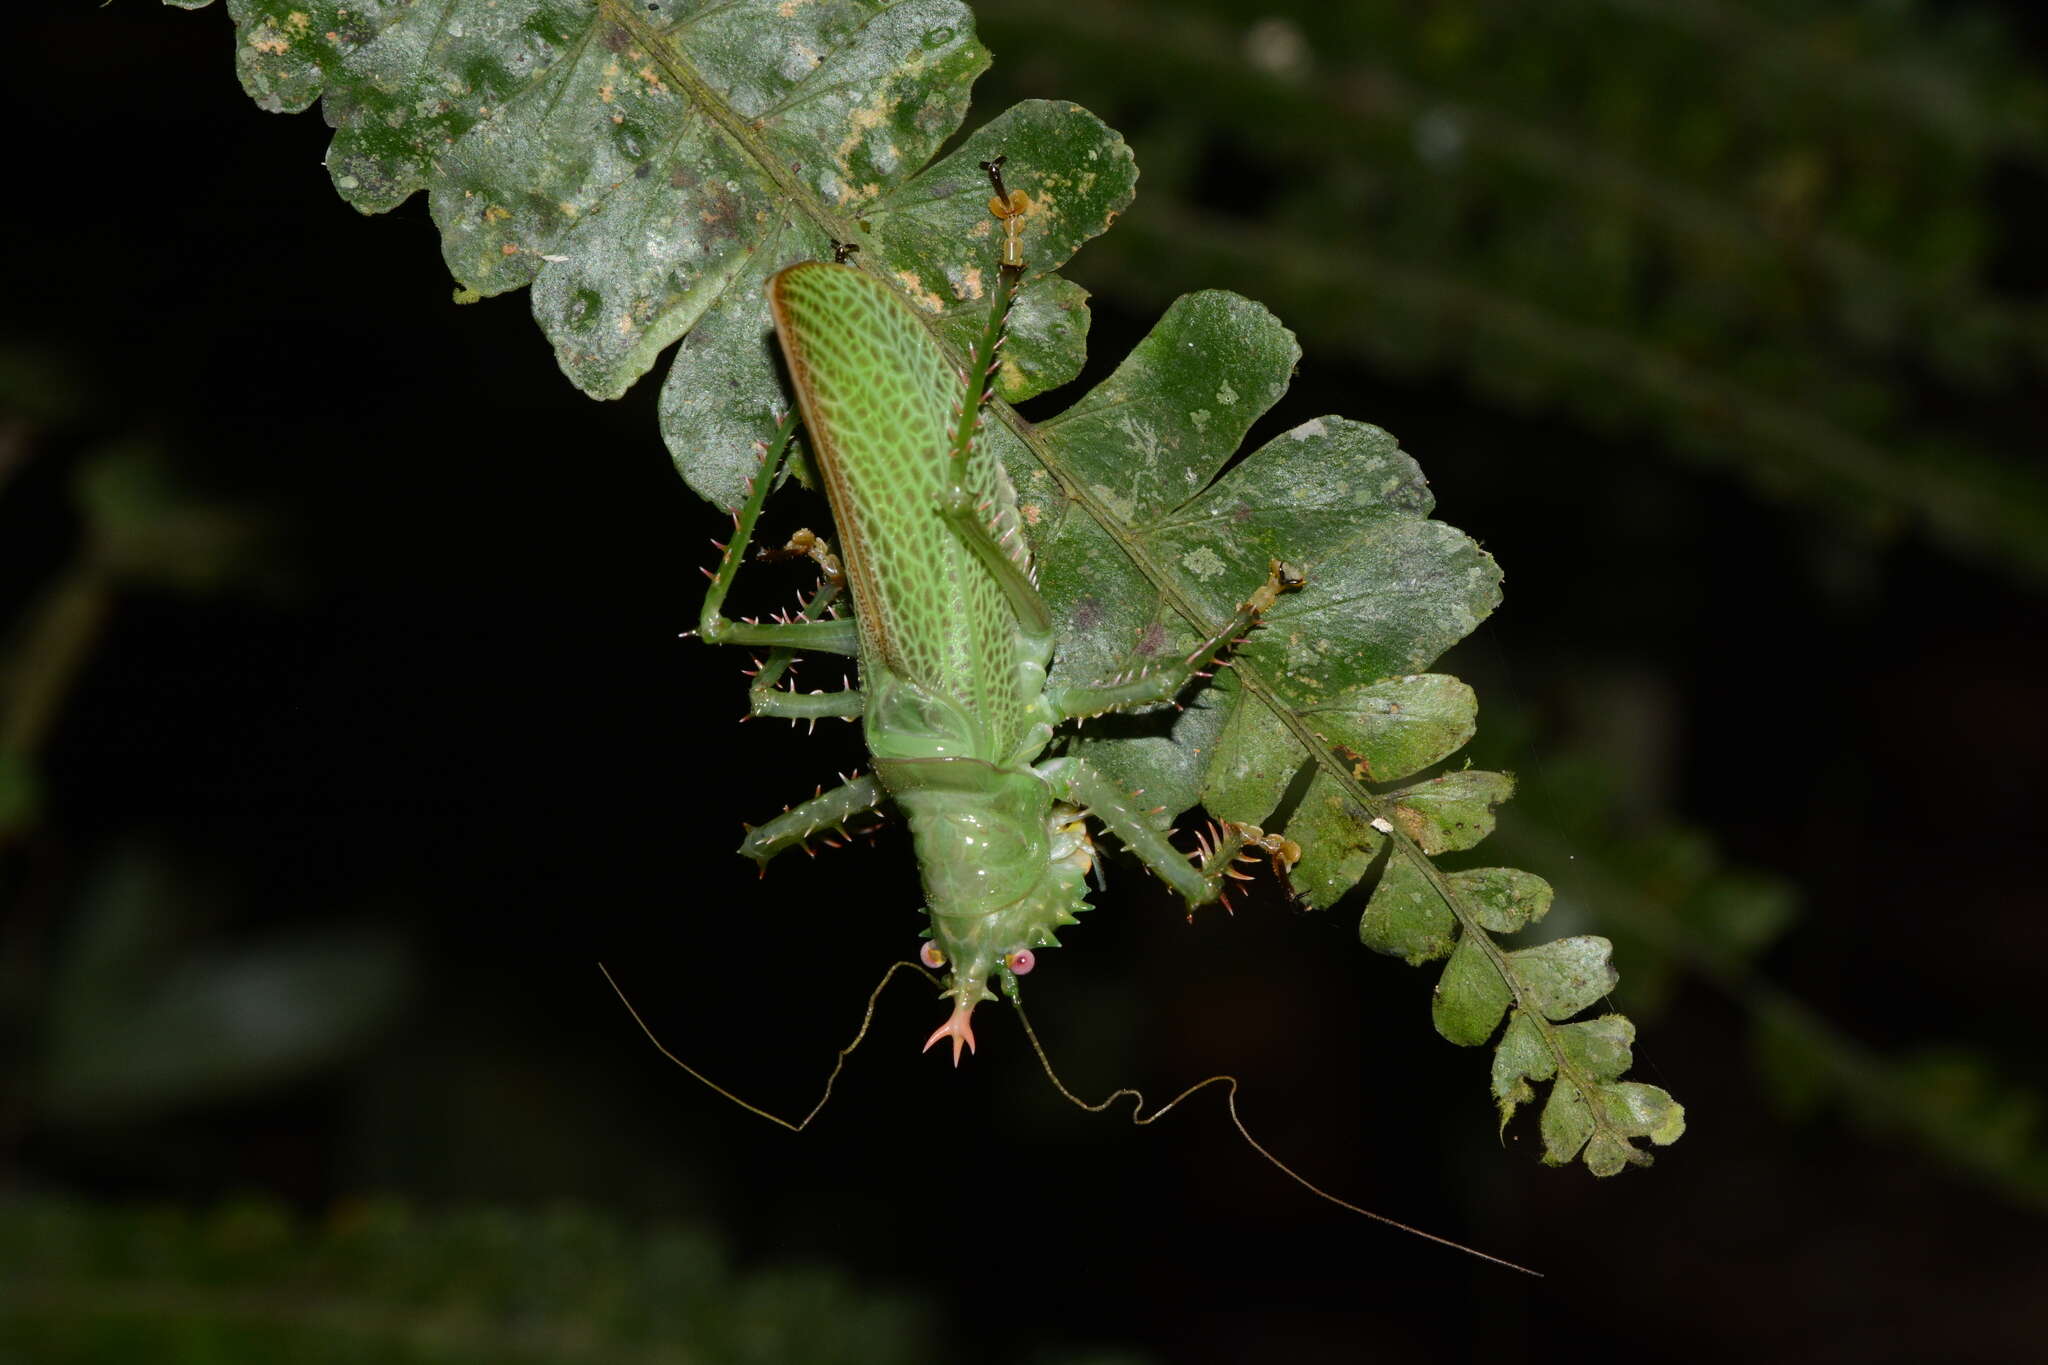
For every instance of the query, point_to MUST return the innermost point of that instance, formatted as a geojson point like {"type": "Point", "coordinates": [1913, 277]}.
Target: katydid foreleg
{"type": "Point", "coordinates": [810, 630]}
{"type": "Point", "coordinates": [828, 810]}
{"type": "Point", "coordinates": [836, 636]}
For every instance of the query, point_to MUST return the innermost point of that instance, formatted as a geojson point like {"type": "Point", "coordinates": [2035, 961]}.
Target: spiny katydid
{"type": "Point", "coordinates": [952, 637]}
{"type": "Point", "coordinates": [954, 643]}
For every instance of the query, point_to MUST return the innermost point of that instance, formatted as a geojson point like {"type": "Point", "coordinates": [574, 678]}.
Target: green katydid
{"type": "Point", "coordinates": [954, 643]}
{"type": "Point", "coordinates": [952, 636]}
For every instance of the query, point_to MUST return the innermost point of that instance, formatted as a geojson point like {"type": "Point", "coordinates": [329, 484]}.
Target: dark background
{"type": "Point", "coordinates": [369, 734]}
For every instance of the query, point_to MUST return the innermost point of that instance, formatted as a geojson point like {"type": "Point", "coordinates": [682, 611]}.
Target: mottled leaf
{"type": "Point", "coordinates": [1470, 995]}
{"type": "Point", "coordinates": [1566, 975]}
{"type": "Point", "coordinates": [1503, 899]}
{"type": "Point", "coordinates": [646, 167]}
{"type": "Point", "coordinates": [1451, 812]}
{"type": "Point", "coordinates": [1406, 917]}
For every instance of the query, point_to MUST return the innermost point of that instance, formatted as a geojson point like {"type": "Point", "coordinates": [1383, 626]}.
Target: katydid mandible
{"type": "Point", "coordinates": [952, 637]}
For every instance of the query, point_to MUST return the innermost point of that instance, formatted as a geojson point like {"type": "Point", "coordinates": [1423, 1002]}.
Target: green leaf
{"type": "Point", "coordinates": [1143, 557]}
{"type": "Point", "coordinates": [1594, 1053]}
{"type": "Point", "coordinates": [646, 168]}
{"type": "Point", "coordinates": [1566, 975]}
{"type": "Point", "coordinates": [1406, 917]}
{"type": "Point", "coordinates": [1470, 996]}
{"type": "Point", "coordinates": [1503, 899]}
{"type": "Point", "coordinates": [1566, 1124]}
{"type": "Point", "coordinates": [1451, 812]}
{"type": "Point", "coordinates": [1395, 727]}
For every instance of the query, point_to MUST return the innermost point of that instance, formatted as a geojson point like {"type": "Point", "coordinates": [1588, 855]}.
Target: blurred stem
{"type": "Point", "coordinates": [50, 648]}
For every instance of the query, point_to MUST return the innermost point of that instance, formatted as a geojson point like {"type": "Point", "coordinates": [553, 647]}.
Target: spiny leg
{"type": "Point", "coordinates": [1009, 208]}
{"type": "Point", "coordinates": [825, 811]}
{"type": "Point", "coordinates": [764, 698]}
{"type": "Point", "coordinates": [1000, 553]}
{"type": "Point", "coordinates": [829, 636]}
{"type": "Point", "coordinates": [1122, 814]}
{"type": "Point", "coordinates": [1163, 680]}
{"type": "Point", "coordinates": [1001, 548]}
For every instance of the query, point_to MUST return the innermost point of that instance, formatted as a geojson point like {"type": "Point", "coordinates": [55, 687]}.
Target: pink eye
{"type": "Point", "coordinates": [931, 956]}
{"type": "Point", "coordinates": [1021, 961]}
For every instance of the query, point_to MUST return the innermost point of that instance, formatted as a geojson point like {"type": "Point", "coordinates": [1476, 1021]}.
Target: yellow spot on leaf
{"type": "Point", "coordinates": [919, 295]}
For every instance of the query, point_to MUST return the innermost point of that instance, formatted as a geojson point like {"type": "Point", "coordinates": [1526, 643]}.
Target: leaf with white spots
{"type": "Point", "coordinates": [645, 167]}
{"type": "Point", "coordinates": [1148, 538]}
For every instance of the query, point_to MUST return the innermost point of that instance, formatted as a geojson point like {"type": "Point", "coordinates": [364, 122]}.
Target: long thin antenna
{"type": "Point", "coordinates": [1141, 1119]}
{"type": "Point", "coordinates": [838, 1064]}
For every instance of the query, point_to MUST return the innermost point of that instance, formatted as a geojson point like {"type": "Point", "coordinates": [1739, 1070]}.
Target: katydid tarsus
{"type": "Point", "coordinates": [953, 643]}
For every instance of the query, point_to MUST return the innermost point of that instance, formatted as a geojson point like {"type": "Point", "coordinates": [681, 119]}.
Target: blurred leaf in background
{"type": "Point", "coordinates": [1775, 236]}
{"type": "Point", "coordinates": [377, 1281]}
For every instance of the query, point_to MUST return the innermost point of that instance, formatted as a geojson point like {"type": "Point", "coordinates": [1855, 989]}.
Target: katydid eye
{"type": "Point", "coordinates": [1021, 961]}
{"type": "Point", "coordinates": [931, 955]}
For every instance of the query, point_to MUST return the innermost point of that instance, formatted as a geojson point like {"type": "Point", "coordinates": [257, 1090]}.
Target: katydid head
{"type": "Point", "coordinates": [959, 1025]}
{"type": "Point", "coordinates": [1020, 874]}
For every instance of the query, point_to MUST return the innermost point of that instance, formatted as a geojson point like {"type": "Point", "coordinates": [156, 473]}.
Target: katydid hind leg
{"type": "Point", "coordinates": [1125, 815]}
{"type": "Point", "coordinates": [1201, 879]}
{"type": "Point", "coordinates": [1163, 680]}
